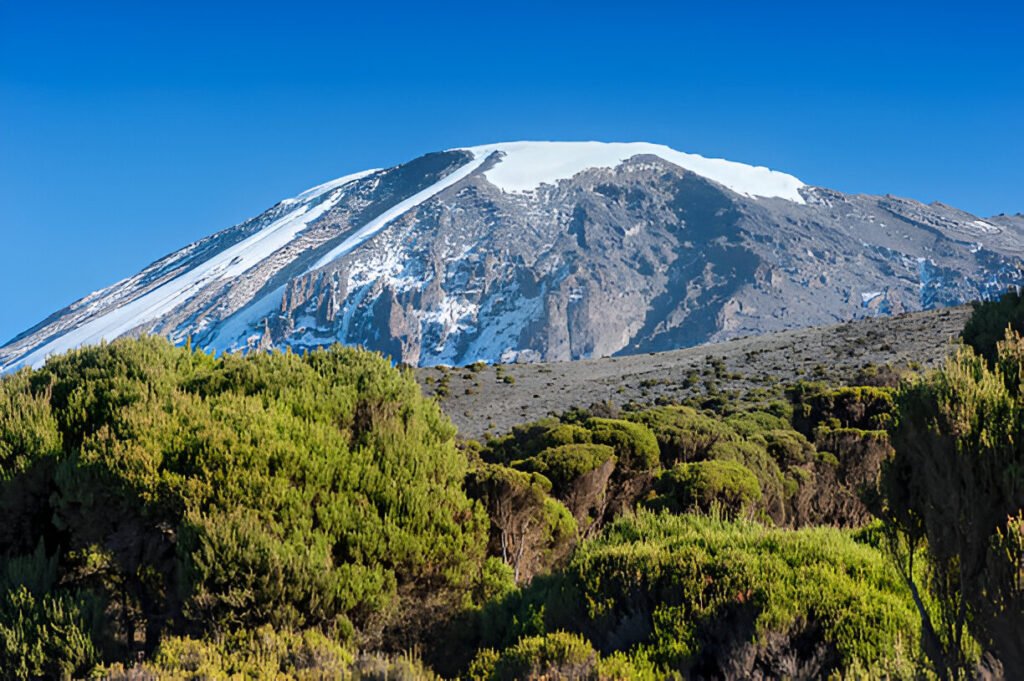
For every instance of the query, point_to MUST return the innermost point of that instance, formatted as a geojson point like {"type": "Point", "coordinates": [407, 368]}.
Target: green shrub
{"type": "Point", "coordinates": [266, 653]}
{"type": "Point", "coordinates": [529, 439]}
{"type": "Point", "coordinates": [691, 592]}
{"type": "Point", "coordinates": [864, 407]}
{"type": "Point", "coordinates": [751, 424]}
{"type": "Point", "coordinates": [683, 433]}
{"type": "Point", "coordinates": [558, 655]}
{"type": "Point", "coordinates": [707, 485]}
{"type": "Point", "coordinates": [565, 463]}
{"type": "Point", "coordinates": [530, 531]}
{"type": "Point", "coordinates": [956, 486]}
{"type": "Point", "coordinates": [46, 635]}
{"type": "Point", "coordinates": [636, 448]}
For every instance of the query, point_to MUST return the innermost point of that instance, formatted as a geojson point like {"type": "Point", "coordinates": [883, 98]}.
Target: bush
{"type": "Point", "coordinates": [530, 439]}
{"type": "Point", "coordinates": [636, 448]}
{"type": "Point", "coordinates": [265, 653]}
{"type": "Point", "coordinates": [529, 530]}
{"type": "Point", "coordinates": [558, 655]}
{"type": "Point", "coordinates": [956, 485]}
{"type": "Point", "coordinates": [864, 407]}
{"type": "Point", "coordinates": [47, 635]}
{"type": "Point", "coordinates": [566, 463]}
{"type": "Point", "coordinates": [683, 433]}
{"type": "Point", "coordinates": [711, 598]}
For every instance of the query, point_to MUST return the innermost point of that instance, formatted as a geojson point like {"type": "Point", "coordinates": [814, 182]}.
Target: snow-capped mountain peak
{"type": "Point", "coordinates": [546, 250]}
{"type": "Point", "coordinates": [526, 165]}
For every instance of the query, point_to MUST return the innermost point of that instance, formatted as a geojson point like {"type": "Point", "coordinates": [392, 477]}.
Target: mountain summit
{"type": "Point", "coordinates": [530, 251]}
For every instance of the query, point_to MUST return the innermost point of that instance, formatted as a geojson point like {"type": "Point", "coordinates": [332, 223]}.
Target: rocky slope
{"type": "Point", "coordinates": [488, 400]}
{"type": "Point", "coordinates": [547, 251]}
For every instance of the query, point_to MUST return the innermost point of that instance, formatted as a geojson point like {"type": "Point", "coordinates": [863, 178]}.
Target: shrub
{"type": "Point", "coordinates": [529, 439]}
{"type": "Point", "coordinates": [707, 485]}
{"type": "Point", "coordinates": [956, 485]}
{"type": "Point", "coordinates": [636, 448]}
{"type": "Point", "coordinates": [46, 635]}
{"type": "Point", "coordinates": [529, 530]}
{"type": "Point", "coordinates": [683, 433]}
{"type": "Point", "coordinates": [564, 464]}
{"type": "Point", "coordinates": [711, 598]}
{"type": "Point", "coordinates": [558, 655]}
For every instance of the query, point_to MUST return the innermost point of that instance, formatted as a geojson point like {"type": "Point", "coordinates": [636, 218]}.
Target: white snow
{"type": "Point", "coordinates": [227, 264]}
{"type": "Point", "coordinates": [868, 296]}
{"type": "Point", "coordinates": [986, 227]}
{"type": "Point", "coordinates": [527, 165]}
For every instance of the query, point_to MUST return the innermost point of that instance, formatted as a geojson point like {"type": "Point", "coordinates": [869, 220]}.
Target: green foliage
{"type": "Point", "coordinates": [558, 655]}
{"type": "Point", "coordinates": [530, 439]}
{"type": "Point", "coordinates": [751, 424]}
{"type": "Point", "coordinates": [46, 635]}
{"type": "Point", "coordinates": [987, 324]}
{"type": "Point", "coordinates": [565, 463]}
{"type": "Point", "coordinates": [683, 433]}
{"type": "Point", "coordinates": [265, 653]}
{"type": "Point", "coordinates": [706, 485]}
{"type": "Point", "coordinates": [636, 448]}
{"type": "Point", "coordinates": [864, 407]}
{"type": "Point", "coordinates": [529, 530]}
{"type": "Point", "coordinates": [957, 483]}
{"type": "Point", "coordinates": [704, 597]}
{"type": "Point", "coordinates": [316, 491]}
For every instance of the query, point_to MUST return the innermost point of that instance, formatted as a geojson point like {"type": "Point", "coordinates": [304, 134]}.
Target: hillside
{"type": "Point", "coordinates": [481, 400]}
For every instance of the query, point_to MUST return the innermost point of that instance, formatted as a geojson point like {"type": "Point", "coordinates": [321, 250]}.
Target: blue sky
{"type": "Point", "coordinates": [129, 129]}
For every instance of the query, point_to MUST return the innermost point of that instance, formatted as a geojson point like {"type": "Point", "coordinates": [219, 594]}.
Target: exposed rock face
{"type": "Point", "coordinates": [548, 252]}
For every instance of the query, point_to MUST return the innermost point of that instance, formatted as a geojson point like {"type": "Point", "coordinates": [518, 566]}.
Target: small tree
{"type": "Point", "coordinates": [530, 530]}
{"type": "Point", "coordinates": [956, 485]}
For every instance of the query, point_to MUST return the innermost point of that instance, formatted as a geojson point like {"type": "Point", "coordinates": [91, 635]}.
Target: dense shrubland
{"type": "Point", "coordinates": [168, 514]}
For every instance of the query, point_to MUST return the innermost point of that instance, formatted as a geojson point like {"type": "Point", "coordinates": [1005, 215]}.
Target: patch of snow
{"type": "Point", "coordinates": [527, 165]}
{"type": "Point", "coordinates": [868, 296]}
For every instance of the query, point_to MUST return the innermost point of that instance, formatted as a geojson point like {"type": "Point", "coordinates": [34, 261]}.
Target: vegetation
{"type": "Point", "coordinates": [177, 493]}
{"type": "Point", "coordinates": [169, 514]}
{"type": "Point", "coordinates": [699, 596]}
{"type": "Point", "coordinates": [956, 487]}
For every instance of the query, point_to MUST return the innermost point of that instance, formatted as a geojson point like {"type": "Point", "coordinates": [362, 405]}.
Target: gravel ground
{"type": "Point", "coordinates": [485, 399]}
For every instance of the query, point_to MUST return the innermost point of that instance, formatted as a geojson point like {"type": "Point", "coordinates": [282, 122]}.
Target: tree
{"type": "Point", "coordinates": [955, 488]}
{"type": "Point", "coordinates": [530, 530]}
{"type": "Point", "coordinates": [579, 475]}
{"type": "Point", "coordinates": [989, 320]}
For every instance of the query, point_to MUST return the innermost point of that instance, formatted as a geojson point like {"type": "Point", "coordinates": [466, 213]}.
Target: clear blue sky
{"type": "Point", "coordinates": [129, 129]}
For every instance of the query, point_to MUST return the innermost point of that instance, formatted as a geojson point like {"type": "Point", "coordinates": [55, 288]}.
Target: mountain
{"type": "Point", "coordinates": [532, 251]}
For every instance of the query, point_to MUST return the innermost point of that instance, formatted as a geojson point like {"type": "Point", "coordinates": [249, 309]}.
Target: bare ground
{"type": "Point", "coordinates": [484, 400]}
